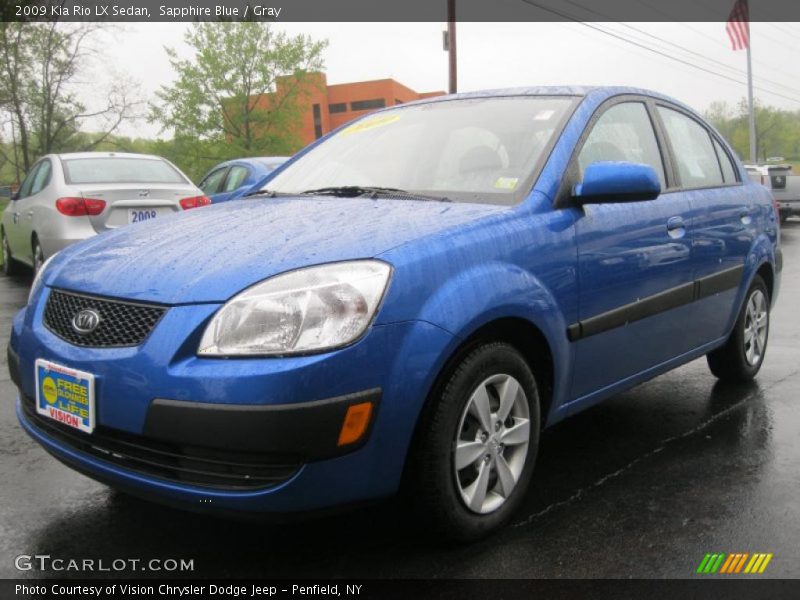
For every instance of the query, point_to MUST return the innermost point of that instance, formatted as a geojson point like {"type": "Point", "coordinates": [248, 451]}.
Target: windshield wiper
{"type": "Point", "coordinates": [268, 193]}
{"type": "Point", "coordinates": [353, 191]}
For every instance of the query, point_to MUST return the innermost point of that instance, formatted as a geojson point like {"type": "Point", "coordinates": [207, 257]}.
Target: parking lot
{"type": "Point", "coordinates": [641, 486]}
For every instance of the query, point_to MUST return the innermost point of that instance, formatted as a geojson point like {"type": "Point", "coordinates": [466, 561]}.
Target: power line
{"type": "Point", "coordinates": [684, 49]}
{"type": "Point", "coordinates": [653, 50]}
{"type": "Point", "coordinates": [760, 63]}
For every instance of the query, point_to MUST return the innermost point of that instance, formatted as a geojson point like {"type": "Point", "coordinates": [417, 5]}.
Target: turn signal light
{"type": "Point", "coordinates": [80, 207]}
{"type": "Point", "coordinates": [194, 202]}
{"type": "Point", "coordinates": [355, 423]}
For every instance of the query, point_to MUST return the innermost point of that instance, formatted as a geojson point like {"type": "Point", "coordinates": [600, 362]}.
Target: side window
{"type": "Point", "coordinates": [623, 133]}
{"type": "Point", "coordinates": [728, 172]}
{"type": "Point", "coordinates": [25, 188]}
{"type": "Point", "coordinates": [211, 184]}
{"type": "Point", "coordinates": [694, 153]}
{"type": "Point", "coordinates": [235, 178]}
{"type": "Point", "coordinates": [42, 177]}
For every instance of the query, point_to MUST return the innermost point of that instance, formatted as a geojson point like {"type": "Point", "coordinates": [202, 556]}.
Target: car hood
{"type": "Point", "coordinates": [211, 253]}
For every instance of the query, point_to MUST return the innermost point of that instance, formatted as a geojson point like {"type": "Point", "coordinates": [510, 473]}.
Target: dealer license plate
{"type": "Point", "coordinates": [65, 395]}
{"type": "Point", "coordinates": [137, 215]}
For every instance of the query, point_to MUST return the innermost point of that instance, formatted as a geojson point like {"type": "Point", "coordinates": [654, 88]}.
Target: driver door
{"type": "Point", "coordinates": [634, 260]}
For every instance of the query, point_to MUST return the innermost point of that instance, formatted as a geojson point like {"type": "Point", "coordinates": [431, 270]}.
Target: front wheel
{"type": "Point", "coordinates": [740, 359]}
{"type": "Point", "coordinates": [476, 445]}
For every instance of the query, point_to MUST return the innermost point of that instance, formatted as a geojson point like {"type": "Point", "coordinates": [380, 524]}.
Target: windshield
{"type": "Point", "coordinates": [473, 150]}
{"type": "Point", "coordinates": [109, 169]}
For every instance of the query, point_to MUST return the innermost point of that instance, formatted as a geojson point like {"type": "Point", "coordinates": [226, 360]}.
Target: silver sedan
{"type": "Point", "coordinates": [66, 198]}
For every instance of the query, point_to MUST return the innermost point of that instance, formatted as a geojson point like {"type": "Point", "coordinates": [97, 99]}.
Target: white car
{"type": "Point", "coordinates": [66, 198]}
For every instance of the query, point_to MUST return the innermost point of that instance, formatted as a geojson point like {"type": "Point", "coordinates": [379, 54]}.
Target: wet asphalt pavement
{"type": "Point", "coordinates": [640, 486]}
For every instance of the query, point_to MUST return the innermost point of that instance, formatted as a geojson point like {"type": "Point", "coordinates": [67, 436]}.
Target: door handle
{"type": "Point", "coordinates": [676, 227]}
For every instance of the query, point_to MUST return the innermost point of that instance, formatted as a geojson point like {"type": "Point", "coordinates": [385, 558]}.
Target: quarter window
{"type": "Point", "coordinates": [42, 177]}
{"type": "Point", "coordinates": [728, 172]}
{"type": "Point", "coordinates": [623, 133]}
{"type": "Point", "coordinates": [695, 157]}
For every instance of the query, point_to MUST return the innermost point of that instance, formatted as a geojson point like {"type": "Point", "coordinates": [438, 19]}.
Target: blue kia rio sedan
{"type": "Point", "coordinates": [410, 301]}
{"type": "Point", "coordinates": [236, 178]}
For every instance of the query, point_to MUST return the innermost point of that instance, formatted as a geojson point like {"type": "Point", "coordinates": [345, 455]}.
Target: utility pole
{"type": "Point", "coordinates": [753, 157]}
{"type": "Point", "coordinates": [451, 46]}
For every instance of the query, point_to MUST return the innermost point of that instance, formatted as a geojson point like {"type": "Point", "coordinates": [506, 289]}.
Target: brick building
{"type": "Point", "coordinates": [329, 106]}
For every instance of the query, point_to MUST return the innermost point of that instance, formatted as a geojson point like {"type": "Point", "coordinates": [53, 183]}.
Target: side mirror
{"type": "Point", "coordinates": [608, 181]}
{"type": "Point", "coordinates": [15, 196]}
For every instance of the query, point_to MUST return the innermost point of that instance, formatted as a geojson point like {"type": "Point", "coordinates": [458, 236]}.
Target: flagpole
{"type": "Point", "coordinates": [753, 157]}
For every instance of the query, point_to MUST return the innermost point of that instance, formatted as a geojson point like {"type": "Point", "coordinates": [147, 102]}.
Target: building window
{"type": "Point", "coordinates": [317, 121]}
{"type": "Point", "coordinates": [339, 107]}
{"type": "Point", "coordinates": [367, 104]}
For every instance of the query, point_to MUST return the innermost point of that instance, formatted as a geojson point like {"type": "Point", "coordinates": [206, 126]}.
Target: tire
{"type": "Point", "coordinates": [10, 266]}
{"type": "Point", "coordinates": [38, 255]}
{"type": "Point", "coordinates": [438, 487]}
{"type": "Point", "coordinates": [740, 359]}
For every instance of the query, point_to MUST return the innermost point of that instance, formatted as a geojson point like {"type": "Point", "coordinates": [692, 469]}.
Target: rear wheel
{"type": "Point", "coordinates": [10, 266]}
{"type": "Point", "coordinates": [38, 255]}
{"type": "Point", "coordinates": [476, 445]}
{"type": "Point", "coordinates": [741, 357]}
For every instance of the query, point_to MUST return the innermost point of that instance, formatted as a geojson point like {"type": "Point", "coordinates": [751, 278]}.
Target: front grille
{"type": "Point", "coordinates": [121, 323]}
{"type": "Point", "coordinates": [192, 465]}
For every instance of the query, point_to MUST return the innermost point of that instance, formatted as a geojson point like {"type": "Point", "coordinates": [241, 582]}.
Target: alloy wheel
{"type": "Point", "coordinates": [491, 444]}
{"type": "Point", "coordinates": [6, 254]}
{"type": "Point", "coordinates": [38, 257]}
{"type": "Point", "coordinates": [756, 323]}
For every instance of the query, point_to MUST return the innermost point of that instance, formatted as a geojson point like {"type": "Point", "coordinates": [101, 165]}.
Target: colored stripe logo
{"type": "Point", "coordinates": [730, 564]}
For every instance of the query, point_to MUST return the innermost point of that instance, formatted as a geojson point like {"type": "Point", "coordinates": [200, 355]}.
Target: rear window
{"type": "Point", "coordinates": [119, 170]}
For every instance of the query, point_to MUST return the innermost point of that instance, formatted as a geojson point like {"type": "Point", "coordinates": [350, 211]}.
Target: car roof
{"type": "Point", "coordinates": [598, 93]}
{"type": "Point", "coordinates": [69, 155]}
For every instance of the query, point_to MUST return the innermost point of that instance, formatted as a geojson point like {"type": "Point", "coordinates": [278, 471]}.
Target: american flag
{"type": "Point", "coordinates": [738, 26]}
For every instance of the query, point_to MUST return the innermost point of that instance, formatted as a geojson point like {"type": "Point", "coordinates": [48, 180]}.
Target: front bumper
{"type": "Point", "coordinates": [288, 407]}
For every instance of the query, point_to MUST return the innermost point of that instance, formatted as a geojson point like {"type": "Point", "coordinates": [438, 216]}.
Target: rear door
{"type": "Point", "coordinates": [723, 219]}
{"type": "Point", "coordinates": [634, 264]}
{"type": "Point", "coordinates": [31, 202]}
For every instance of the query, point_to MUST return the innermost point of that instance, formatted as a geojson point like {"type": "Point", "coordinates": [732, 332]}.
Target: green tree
{"type": "Point", "coordinates": [223, 103]}
{"type": "Point", "coordinates": [777, 130]}
{"type": "Point", "coordinates": [43, 67]}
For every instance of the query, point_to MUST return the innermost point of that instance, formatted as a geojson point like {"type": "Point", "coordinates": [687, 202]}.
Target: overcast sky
{"type": "Point", "coordinates": [512, 54]}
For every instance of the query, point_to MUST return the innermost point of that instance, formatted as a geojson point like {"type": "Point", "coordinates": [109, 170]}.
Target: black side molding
{"type": "Point", "coordinates": [307, 429]}
{"type": "Point", "coordinates": [778, 260]}
{"type": "Point", "coordinates": [657, 303]}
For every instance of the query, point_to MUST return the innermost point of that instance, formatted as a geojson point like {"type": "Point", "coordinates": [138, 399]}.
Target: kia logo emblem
{"type": "Point", "coordinates": [85, 321]}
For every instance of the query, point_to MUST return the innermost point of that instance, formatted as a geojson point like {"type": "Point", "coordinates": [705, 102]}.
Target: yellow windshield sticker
{"type": "Point", "coordinates": [506, 183]}
{"type": "Point", "coordinates": [372, 123]}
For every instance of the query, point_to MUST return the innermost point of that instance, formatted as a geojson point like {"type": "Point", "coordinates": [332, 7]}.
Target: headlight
{"type": "Point", "coordinates": [37, 281]}
{"type": "Point", "coordinates": [308, 310]}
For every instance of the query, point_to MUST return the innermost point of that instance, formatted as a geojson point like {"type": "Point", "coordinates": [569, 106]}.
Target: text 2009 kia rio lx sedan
{"type": "Point", "coordinates": [408, 303]}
